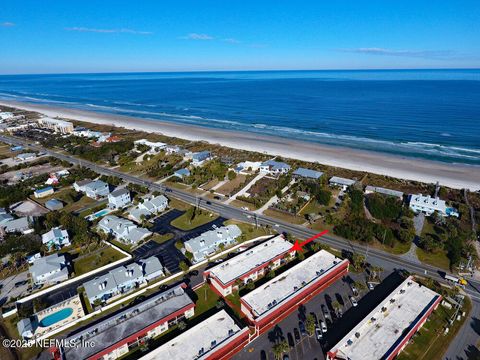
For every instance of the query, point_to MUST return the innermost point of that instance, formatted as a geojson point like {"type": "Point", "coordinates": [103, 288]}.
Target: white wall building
{"type": "Point", "coordinates": [428, 205]}
{"type": "Point", "coordinates": [119, 198]}
{"type": "Point", "coordinates": [59, 126]}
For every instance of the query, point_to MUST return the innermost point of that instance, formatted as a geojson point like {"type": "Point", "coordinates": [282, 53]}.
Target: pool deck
{"type": "Point", "coordinates": [74, 303]}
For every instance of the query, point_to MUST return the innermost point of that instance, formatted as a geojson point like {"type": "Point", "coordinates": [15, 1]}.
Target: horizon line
{"type": "Point", "coordinates": [230, 71]}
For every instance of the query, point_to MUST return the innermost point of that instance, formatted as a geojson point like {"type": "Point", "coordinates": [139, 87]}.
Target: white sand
{"type": "Point", "coordinates": [451, 175]}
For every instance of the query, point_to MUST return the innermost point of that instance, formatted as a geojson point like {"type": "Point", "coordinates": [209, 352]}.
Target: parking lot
{"type": "Point", "coordinates": [168, 254]}
{"type": "Point", "coordinates": [321, 306]}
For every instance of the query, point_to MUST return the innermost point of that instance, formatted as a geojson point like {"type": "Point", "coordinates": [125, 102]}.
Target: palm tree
{"type": "Point", "coordinates": [280, 348]}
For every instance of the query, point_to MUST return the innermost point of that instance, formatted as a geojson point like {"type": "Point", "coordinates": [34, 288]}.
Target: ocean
{"type": "Point", "coordinates": [433, 114]}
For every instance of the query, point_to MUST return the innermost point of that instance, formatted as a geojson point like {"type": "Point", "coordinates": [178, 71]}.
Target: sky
{"type": "Point", "coordinates": [116, 36]}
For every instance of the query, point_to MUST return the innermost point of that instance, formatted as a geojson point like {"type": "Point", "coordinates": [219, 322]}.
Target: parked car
{"type": "Point", "coordinates": [301, 326]}
{"type": "Point", "coordinates": [371, 286]}
{"type": "Point", "coordinates": [318, 333]}
{"type": "Point", "coordinates": [354, 301]}
{"type": "Point", "coordinates": [354, 290]}
{"type": "Point", "coordinates": [20, 283]}
{"type": "Point", "coordinates": [296, 333]}
{"type": "Point", "coordinates": [326, 313]}
{"type": "Point", "coordinates": [323, 325]}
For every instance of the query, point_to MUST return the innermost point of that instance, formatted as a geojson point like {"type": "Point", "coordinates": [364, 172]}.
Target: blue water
{"type": "Point", "coordinates": [58, 316]}
{"type": "Point", "coordinates": [432, 114]}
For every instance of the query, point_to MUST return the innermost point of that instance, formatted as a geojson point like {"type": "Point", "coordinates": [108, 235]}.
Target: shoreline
{"type": "Point", "coordinates": [452, 175]}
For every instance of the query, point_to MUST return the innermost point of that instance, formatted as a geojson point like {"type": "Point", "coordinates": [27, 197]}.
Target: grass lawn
{"type": "Point", "coordinates": [177, 204]}
{"type": "Point", "coordinates": [398, 249]}
{"type": "Point", "coordinates": [201, 218]}
{"type": "Point", "coordinates": [438, 259]}
{"type": "Point", "coordinates": [121, 245]}
{"type": "Point", "coordinates": [241, 204]}
{"type": "Point", "coordinates": [210, 184]}
{"type": "Point", "coordinates": [313, 207]}
{"type": "Point", "coordinates": [320, 225]}
{"type": "Point", "coordinates": [176, 185]}
{"type": "Point", "coordinates": [96, 260]}
{"type": "Point", "coordinates": [284, 216]}
{"type": "Point", "coordinates": [249, 231]}
{"type": "Point", "coordinates": [207, 299]}
{"type": "Point", "coordinates": [229, 186]}
{"type": "Point", "coordinates": [161, 238]}
{"type": "Point", "coordinates": [430, 343]}
{"type": "Point", "coordinates": [84, 201]}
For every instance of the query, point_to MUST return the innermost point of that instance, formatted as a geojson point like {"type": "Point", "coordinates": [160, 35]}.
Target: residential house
{"type": "Point", "coordinates": [25, 156]}
{"type": "Point", "coordinates": [376, 189]}
{"type": "Point", "coordinates": [343, 183]}
{"type": "Point", "coordinates": [96, 189]}
{"type": "Point", "coordinates": [80, 185]}
{"type": "Point", "coordinates": [199, 158]}
{"type": "Point", "coordinates": [119, 198]}
{"type": "Point", "coordinates": [209, 242]}
{"type": "Point", "coordinates": [152, 268]}
{"type": "Point", "coordinates": [428, 205]}
{"type": "Point", "coordinates": [25, 328]}
{"type": "Point", "coordinates": [182, 173]}
{"type": "Point", "coordinates": [4, 218]}
{"type": "Point", "coordinates": [155, 147]}
{"type": "Point", "coordinates": [153, 206]}
{"type": "Point", "coordinates": [172, 149]}
{"type": "Point", "coordinates": [6, 115]}
{"type": "Point", "coordinates": [20, 225]}
{"type": "Point", "coordinates": [50, 269]}
{"type": "Point", "coordinates": [56, 237]}
{"type": "Point", "coordinates": [273, 167]}
{"type": "Point", "coordinates": [41, 193]}
{"type": "Point", "coordinates": [123, 229]}
{"type": "Point", "coordinates": [245, 166]}
{"type": "Point", "coordinates": [307, 174]}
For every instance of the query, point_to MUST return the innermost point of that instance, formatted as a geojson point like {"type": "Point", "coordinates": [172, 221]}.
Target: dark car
{"type": "Point", "coordinates": [20, 283]}
{"type": "Point", "coordinates": [216, 197]}
{"type": "Point", "coordinates": [193, 273]}
{"type": "Point", "coordinates": [301, 326]}
{"type": "Point", "coordinates": [296, 334]}
{"type": "Point", "coordinates": [291, 342]}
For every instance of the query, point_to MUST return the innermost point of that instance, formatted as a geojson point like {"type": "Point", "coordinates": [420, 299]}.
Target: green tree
{"type": "Point", "coordinates": [250, 285]}
{"type": "Point", "coordinates": [279, 348]}
{"type": "Point", "coordinates": [310, 324]}
{"type": "Point", "coordinates": [357, 260]}
{"type": "Point", "coordinates": [323, 197]}
{"type": "Point", "coordinates": [178, 244]}
{"type": "Point", "coordinates": [183, 266]}
{"type": "Point", "coordinates": [231, 175]}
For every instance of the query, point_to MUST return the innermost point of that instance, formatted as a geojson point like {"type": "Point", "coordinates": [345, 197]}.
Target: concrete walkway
{"type": "Point", "coordinates": [411, 255]}
{"type": "Point", "coordinates": [220, 184]}
{"type": "Point", "coordinates": [274, 199]}
{"type": "Point", "coordinates": [246, 187]}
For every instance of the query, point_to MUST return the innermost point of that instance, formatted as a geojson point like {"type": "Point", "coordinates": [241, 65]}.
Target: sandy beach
{"type": "Point", "coordinates": [451, 175]}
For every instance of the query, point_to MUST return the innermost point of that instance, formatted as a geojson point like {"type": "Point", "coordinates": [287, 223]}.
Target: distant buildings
{"type": "Point", "coordinates": [281, 295]}
{"type": "Point", "coordinates": [218, 337]}
{"type": "Point", "coordinates": [249, 265]}
{"type": "Point", "coordinates": [274, 167]}
{"type": "Point", "coordinates": [342, 183]}
{"type": "Point", "coordinates": [182, 173]}
{"type": "Point", "coordinates": [428, 205]}
{"type": "Point", "coordinates": [83, 132]}
{"type": "Point", "coordinates": [123, 229]}
{"type": "Point", "coordinates": [58, 126]}
{"type": "Point", "coordinates": [50, 269]}
{"type": "Point", "coordinates": [155, 147]}
{"type": "Point", "coordinates": [122, 279]}
{"type": "Point", "coordinates": [172, 149]}
{"type": "Point", "coordinates": [375, 189]}
{"type": "Point", "coordinates": [209, 242]}
{"type": "Point", "coordinates": [199, 158]}
{"type": "Point", "coordinates": [307, 174]}
{"type": "Point", "coordinates": [147, 208]}
{"type": "Point", "coordinates": [384, 332]}
{"type": "Point", "coordinates": [56, 237]}
{"type": "Point", "coordinates": [25, 156]}
{"type": "Point", "coordinates": [44, 192]}
{"type": "Point", "coordinates": [6, 115]}
{"type": "Point", "coordinates": [54, 204]}
{"type": "Point", "coordinates": [126, 330]}
{"type": "Point", "coordinates": [119, 198]}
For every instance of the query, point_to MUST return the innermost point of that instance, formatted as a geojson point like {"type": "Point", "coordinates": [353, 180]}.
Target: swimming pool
{"type": "Point", "coordinates": [98, 214]}
{"type": "Point", "coordinates": [58, 316]}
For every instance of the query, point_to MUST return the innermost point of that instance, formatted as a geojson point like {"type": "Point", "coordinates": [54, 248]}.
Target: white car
{"type": "Point", "coordinates": [318, 333]}
{"type": "Point", "coordinates": [371, 286]}
{"type": "Point", "coordinates": [354, 301]}
{"type": "Point", "coordinates": [323, 325]}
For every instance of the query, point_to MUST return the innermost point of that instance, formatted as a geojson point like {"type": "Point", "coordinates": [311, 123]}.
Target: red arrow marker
{"type": "Point", "coordinates": [298, 245]}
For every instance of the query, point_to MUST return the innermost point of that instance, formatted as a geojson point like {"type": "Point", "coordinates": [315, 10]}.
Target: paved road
{"type": "Point", "coordinates": [376, 257]}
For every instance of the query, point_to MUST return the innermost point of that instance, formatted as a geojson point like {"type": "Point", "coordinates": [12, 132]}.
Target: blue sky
{"type": "Point", "coordinates": [108, 36]}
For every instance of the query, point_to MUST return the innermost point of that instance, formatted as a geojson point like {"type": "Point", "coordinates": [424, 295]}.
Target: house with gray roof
{"type": "Point", "coordinates": [273, 167]}
{"type": "Point", "coordinates": [182, 173]}
{"type": "Point", "coordinates": [25, 328]}
{"type": "Point", "coordinates": [26, 156]}
{"type": "Point", "coordinates": [209, 242]}
{"type": "Point", "coordinates": [46, 191]}
{"type": "Point", "coordinates": [149, 207]}
{"type": "Point", "coordinates": [21, 225]}
{"type": "Point", "coordinates": [56, 238]}
{"type": "Point", "coordinates": [376, 189]}
{"type": "Point", "coordinates": [97, 189]}
{"type": "Point", "coordinates": [122, 279]}
{"type": "Point", "coordinates": [123, 229]}
{"type": "Point", "coordinates": [119, 198]}
{"type": "Point", "coordinates": [199, 158]}
{"type": "Point", "coordinates": [152, 268]}
{"type": "Point", "coordinates": [341, 182]}
{"type": "Point", "coordinates": [307, 174]}
{"type": "Point", "coordinates": [80, 185]}
{"type": "Point", "coordinates": [50, 269]}
{"type": "Point", "coordinates": [4, 218]}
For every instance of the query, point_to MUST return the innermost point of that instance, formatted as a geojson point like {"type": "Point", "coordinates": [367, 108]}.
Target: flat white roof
{"type": "Point", "coordinates": [250, 259]}
{"type": "Point", "coordinates": [340, 180]}
{"type": "Point", "coordinates": [273, 293]}
{"type": "Point", "coordinates": [376, 335]}
{"type": "Point", "coordinates": [199, 341]}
